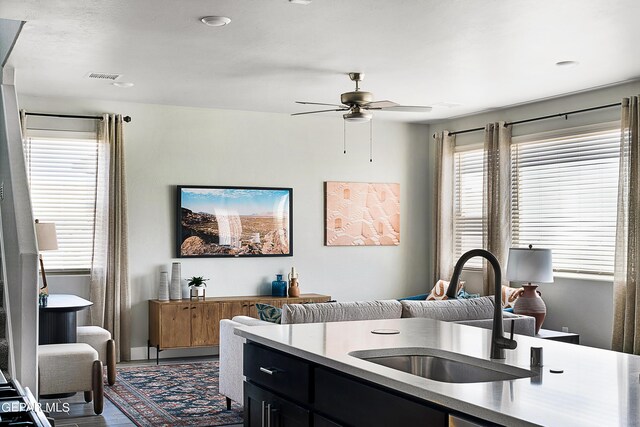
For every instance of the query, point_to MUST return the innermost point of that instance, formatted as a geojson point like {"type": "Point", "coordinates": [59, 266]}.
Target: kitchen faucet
{"type": "Point", "coordinates": [498, 342]}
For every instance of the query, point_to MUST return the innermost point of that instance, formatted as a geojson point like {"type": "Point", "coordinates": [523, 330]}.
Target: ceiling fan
{"type": "Point", "coordinates": [358, 104]}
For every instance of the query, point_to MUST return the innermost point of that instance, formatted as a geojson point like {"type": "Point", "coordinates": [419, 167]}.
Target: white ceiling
{"type": "Point", "coordinates": [478, 54]}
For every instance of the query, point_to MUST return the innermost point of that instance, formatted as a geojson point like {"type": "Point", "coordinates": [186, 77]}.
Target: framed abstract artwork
{"type": "Point", "coordinates": [361, 214]}
{"type": "Point", "coordinates": [234, 221]}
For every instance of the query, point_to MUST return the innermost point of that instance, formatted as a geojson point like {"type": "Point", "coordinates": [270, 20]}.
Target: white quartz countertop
{"type": "Point", "coordinates": [597, 388]}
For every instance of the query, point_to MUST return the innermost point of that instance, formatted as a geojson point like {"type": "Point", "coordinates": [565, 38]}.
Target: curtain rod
{"type": "Point", "coordinates": [73, 116]}
{"type": "Point", "coordinates": [535, 119]}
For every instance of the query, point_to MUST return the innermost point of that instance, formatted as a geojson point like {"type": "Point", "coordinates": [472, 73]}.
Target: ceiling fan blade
{"type": "Point", "coordinates": [408, 109]}
{"type": "Point", "coordinates": [318, 103]}
{"type": "Point", "coordinates": [318, 111]}
{"type": "Point", "coordinates": [380, 104]}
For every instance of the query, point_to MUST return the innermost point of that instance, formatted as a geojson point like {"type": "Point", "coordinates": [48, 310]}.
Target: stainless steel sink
{"type": "Point", "coordinates": [444, 369]}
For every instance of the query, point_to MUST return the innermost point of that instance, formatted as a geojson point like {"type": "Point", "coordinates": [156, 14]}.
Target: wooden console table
{"type": "Point", "coordinates": [196, 323]}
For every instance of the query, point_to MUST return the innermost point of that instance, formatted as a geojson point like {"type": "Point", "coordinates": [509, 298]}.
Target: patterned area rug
{"type": "Point", "coordinates": [172, 395]}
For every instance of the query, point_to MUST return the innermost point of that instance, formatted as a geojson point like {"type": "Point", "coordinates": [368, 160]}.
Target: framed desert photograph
{"type": "Point", "coordinates": [362, 214]}
{"type": "Point", "coordinates": [234, 221]}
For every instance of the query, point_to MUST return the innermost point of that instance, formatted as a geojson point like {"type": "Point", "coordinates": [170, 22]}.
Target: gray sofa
{"type": "Point", "coordinates": [474, 312]}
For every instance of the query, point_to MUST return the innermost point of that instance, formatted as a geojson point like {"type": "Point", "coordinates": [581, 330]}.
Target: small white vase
{"type": "Point", "coordinates": [186, 292]}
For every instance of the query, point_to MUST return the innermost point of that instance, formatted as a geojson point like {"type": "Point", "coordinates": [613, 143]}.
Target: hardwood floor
{"type": "Point", "coordinates": [81, 414]}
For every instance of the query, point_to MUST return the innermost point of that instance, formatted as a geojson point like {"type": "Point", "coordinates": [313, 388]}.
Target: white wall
{"type": "Point", "coordinates": [168, 145]}
{"type": "Point", "coordinates": [19, 253]}
{"type": "Point", "coordinates": [585, 306]}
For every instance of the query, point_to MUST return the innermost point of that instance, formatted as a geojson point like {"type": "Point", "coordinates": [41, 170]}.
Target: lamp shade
{"type": "Point", "coordinates": [46, 236]}
{"type": "Point", "coordinates": [530, 265]}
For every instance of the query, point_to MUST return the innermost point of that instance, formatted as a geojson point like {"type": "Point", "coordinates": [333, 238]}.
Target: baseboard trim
{"type": "Point", "coordinates": [140, 353]}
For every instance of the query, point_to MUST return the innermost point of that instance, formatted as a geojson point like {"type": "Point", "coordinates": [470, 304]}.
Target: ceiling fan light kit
{"type": "Point", "coordinates": [357, 116]}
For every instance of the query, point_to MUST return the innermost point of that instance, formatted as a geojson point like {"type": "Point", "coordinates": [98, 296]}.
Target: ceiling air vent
{"type": "Point", "coordinates": [104, 76]}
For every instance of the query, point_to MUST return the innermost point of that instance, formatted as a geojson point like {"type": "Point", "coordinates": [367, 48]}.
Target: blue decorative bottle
{"type": "Point", "coordinates": [279, 287]}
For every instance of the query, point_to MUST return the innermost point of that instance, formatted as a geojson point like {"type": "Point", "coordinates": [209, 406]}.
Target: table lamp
{"type": "Point", "coordinates": [528, 265]}
{"type": "Point", "coordinates": [47, 241]}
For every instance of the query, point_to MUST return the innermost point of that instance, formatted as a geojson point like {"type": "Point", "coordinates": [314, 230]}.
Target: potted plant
{"type": "Point", "coordinates": [197, 285]}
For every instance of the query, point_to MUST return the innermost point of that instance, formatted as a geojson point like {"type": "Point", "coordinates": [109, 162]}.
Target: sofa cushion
{"type": "Point", "coordinates": [341, 311]}
{"type": "Point", "coordinates": [450, 310]}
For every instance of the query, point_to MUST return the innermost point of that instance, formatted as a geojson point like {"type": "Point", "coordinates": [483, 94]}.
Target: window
{"type": "Point", "coordinates": [467, 204]}
{"type": "Point", "coordinates": [564, 197]}
{"type": "Point", "coordinates": [61, 168]}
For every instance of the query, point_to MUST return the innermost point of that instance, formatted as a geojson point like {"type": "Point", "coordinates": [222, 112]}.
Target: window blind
{"type": "Point", "coordinates": [62, 177]}
{"type": "Point", "coordinates": [564, 195]}
{"type": "Point", "coordinates": [467, 205]}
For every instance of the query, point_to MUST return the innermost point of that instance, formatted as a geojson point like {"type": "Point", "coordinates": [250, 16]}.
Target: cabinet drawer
{"type": "Point", "coordinates": [358, 404]}
{"type": "Point", "coordinates": [277, 371]}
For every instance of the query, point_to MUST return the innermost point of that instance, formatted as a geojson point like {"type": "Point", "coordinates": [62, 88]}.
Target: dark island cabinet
{"type": "Point", "coordinates": [358, 404]}
{"type": "Point", "coordinates": [286, 391]}
{"type": "Point", "coordinates": [263, 408]}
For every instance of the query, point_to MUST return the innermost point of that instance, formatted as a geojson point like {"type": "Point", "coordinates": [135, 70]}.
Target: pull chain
{"type": "Point", "coordinates": [344, 136]}
{"type": "Point", "coordinates": [371, 141]}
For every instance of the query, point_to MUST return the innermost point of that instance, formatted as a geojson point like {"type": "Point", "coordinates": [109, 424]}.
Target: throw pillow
{"type": "Point", "coordinates": [439, 291]}
{"type": "Point", "coordinates": [510, 295]}
{"type": "Point", "coordinates": [462, 294]}
{"type": "Point", "coordinates": [420, 297]}
{"type": "Point", "coordinates": [269, 313]}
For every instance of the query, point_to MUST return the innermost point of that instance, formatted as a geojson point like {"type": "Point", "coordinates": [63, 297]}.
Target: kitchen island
{"type": "Point", "coordinates": [595, 387]}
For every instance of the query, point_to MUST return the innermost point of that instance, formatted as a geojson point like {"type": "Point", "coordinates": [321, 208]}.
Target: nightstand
{"type": "Point", "coordinates": [569, 337]}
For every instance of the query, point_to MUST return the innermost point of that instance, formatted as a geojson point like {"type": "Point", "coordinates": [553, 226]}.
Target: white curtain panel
{"type": "Point", "coordinates": [443, 206]}
{"type": "Point", "coordinates": [626, 280]}
{"type": "Point", "coordinates": [496, 203]}
{"type": "Point", "coordinates": [110, 269]}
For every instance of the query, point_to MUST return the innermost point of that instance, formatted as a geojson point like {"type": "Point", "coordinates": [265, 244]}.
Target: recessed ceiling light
{"type": "Point", "coordinates": [300, 1]}
{"type": "Point", "coordinates": [215, 21]}
{"type": "Point", "coordinates": [123, 84]}
{"type": "Point", "coordinates": [567, 64]}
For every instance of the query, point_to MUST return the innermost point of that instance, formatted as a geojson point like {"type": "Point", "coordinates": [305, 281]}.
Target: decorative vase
{"type": "Point", "coordinates": [174, 289]}
{"type": "Point", "coordinates": [185, 290]}
{"type": "Point", "coordinates": [294, 289]}
{"type": "Point", "coordinates": [163, 286]}
{"type": "Point", "coordinates": [530, 304]}
{"type": "Point", "coordinates": [279, 287]}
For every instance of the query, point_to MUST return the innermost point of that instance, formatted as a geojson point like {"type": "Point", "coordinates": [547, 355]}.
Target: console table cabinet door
{"type": "Point", "coordinates": [234, 308]}
{"type": "Point", "coordinates": [175, 325]}
{"type": "Point", "coordinates": [205, 321]}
